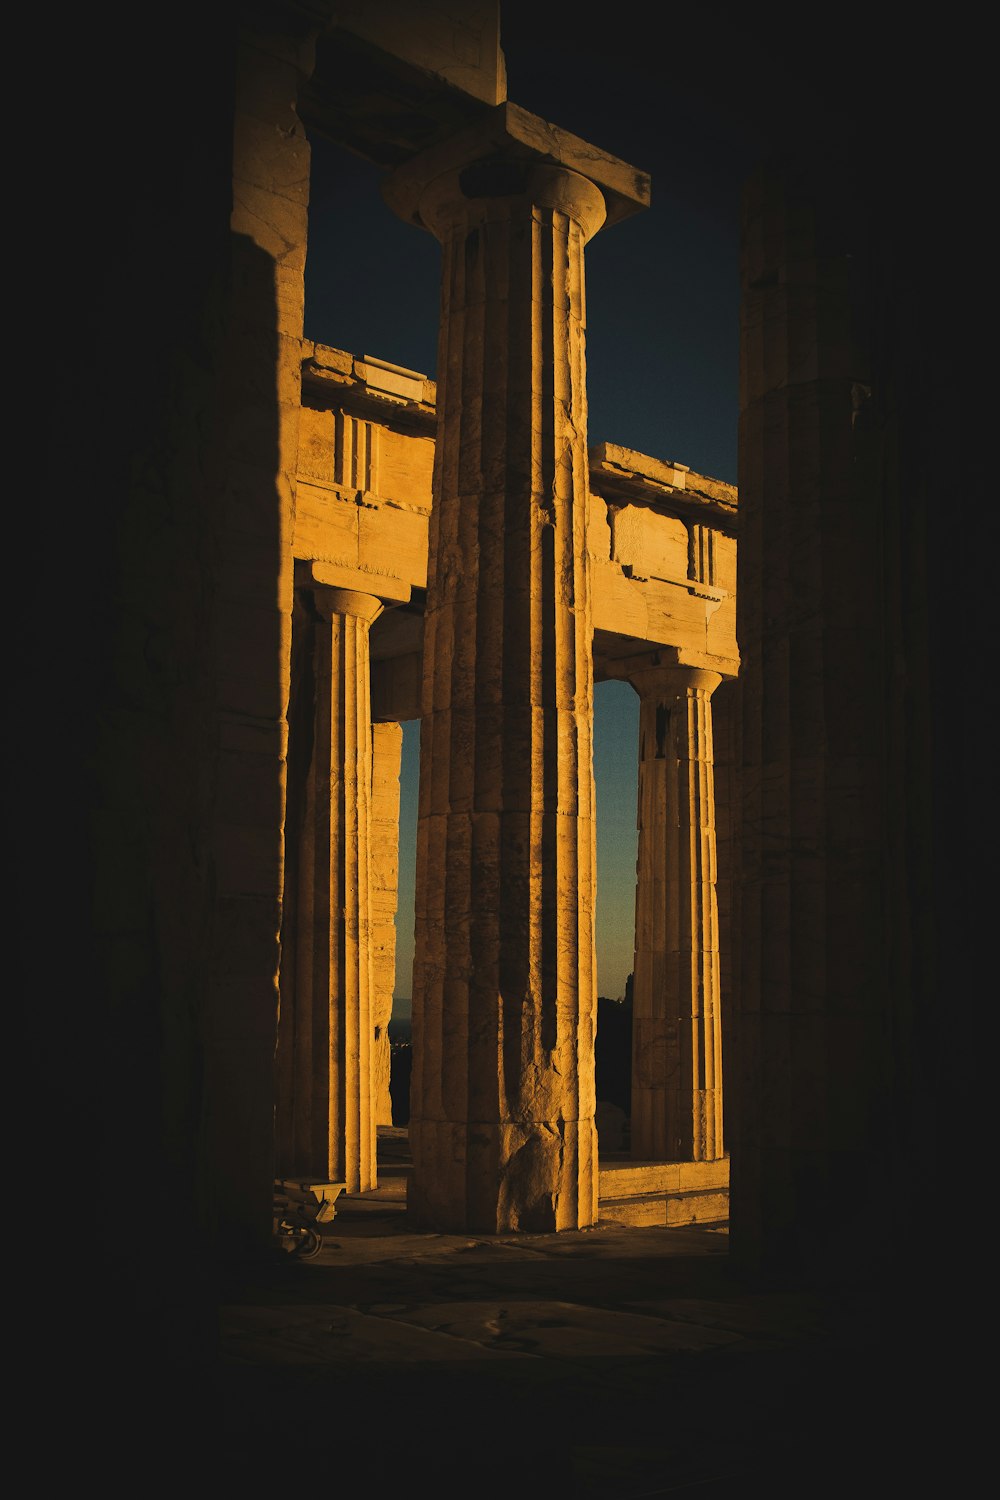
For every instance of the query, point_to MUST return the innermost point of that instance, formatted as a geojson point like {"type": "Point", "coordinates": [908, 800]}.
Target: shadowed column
{"type": "Point", "coordinates": [502, 1123]}
{"type": "Point", "coordinates": [677, 1040]}
{"type": "Point", "coordinates": [822, 686]}
{"type": "Point", "coordinates": [326, 1126]}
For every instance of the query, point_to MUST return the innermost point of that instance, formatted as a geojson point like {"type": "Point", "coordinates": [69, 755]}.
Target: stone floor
{"type": "Point", "coordinates": [609, 1362]}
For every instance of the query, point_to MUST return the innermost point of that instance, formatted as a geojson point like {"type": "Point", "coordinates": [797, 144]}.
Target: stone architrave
{"type": "Point", "coordinates": [325, 1079]}
{"type": "Point", "coordinates": [504, 1002]}
{"type": "Point", "coordinates": [677, 1040]}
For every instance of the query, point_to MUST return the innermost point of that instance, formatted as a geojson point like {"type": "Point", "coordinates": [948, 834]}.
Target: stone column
{"type": "Point", "coordinates": [387, 746]}
{"type": "Point", "coordinates": [677, 1039]}
{"type": "Point", "coordinates": [823, 681]}
{"type": "Point", "coordinates": [502, 1123]}
{"type": "Point", "coordinates": [326, 1122]}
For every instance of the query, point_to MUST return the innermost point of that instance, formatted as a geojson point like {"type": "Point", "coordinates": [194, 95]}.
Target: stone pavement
{"type": "Point", "coordinates": [620, 1362]}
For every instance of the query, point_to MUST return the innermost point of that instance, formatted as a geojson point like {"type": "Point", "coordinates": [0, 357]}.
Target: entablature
{"type": "Point", "coordinates": [662, 538]}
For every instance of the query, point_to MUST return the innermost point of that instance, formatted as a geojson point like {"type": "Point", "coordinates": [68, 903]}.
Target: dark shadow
{"type": "Point", "coordinates": [165, 456]}
{"type": "Point", "coordinates": [613, 1050]}
{"type": "Point", "coordinates": [400, 1070]}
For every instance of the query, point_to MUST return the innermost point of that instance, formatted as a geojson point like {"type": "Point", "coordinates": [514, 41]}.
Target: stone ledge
{"type": "Point", "coordinates": [634, 1178]}
{"type": "Point", "coordinates": [668, 1209]}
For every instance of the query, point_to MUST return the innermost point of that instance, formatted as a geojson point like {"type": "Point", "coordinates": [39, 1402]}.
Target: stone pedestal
{"type": "Point", "coordinates": [677, 1039]}
{"type": "Point", "coordinates": [502, 1123]}
{"type": "Point", "coordinates": [326, 1125]}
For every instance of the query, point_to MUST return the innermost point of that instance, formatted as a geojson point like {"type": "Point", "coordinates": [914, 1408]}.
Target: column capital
{"type": "Point", "coordinates": [672, 680]}
{"type": "Point", "coordinates": [510, 153]}
{"type": "Point", "coordinates": [478, 191]}
{"type": "Point", "coordinates": [330, 601]}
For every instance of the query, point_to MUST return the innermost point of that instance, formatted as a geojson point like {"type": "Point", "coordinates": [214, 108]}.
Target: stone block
{"type": "Point", "coordinates": [393, 537]}
{"type": "Point", "coordinates": [651, 544]}
{"type": "Point", "coordinates": [406, 465]}
{"type": "Point", "coordinates": [326, 526]}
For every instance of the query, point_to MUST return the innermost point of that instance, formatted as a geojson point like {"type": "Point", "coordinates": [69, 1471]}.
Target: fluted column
{"type": "Point", "coordinates": [502, 1122]}
{"type": "Point", "coordinates": [677, 1039]}
{"type": "Point", "coordinates": [387, 746]}
{"type": "Point", "coordinates": [326, 1125]}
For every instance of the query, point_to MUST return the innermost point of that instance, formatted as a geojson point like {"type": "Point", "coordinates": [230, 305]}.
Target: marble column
{"type": "Point", "coordinates": [677, 1039]}
{"type": "Point", "coordinates": [326, 1124]}
{"type": "Point", "coordinates": [502, 1123]}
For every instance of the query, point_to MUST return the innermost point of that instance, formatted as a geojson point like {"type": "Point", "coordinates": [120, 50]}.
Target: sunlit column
{"type": "Point", "coordinates": [387, 745]}
{"type": "Point", "coordinates": [502, 1123]}
{"type": "Point", "coordinates": [325, 1062]}
{"type": "Point", "coordinates": [677, 1043]}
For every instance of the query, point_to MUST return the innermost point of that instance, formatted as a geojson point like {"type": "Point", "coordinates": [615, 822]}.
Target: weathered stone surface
{"type": "Point", "coordinates": [387, 746]}
{"type": "Point", "coordinates": [325, 1121]}
{"type": "Point", "coordinates": [502, 1121]}
{"type": "Point", "coordinates": [648, 544]}
{"type": "Point", "coordinates": [662, 551]}
{"type": "Point", "coordinates": [661, 537]}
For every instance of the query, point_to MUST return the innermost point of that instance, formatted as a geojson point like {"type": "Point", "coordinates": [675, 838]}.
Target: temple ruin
{"type": "Point", "coordinates": [374, 644]}
{"type": "Point", "coordinates": [279, 551]}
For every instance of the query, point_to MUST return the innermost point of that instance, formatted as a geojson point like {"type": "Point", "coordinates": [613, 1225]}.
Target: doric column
{"type": "Point", "coordinates": [677, 1042]}
{"type": "Point", "coordinates": [502, 1112]}
{"type": "Point", "coordinates": [326, 1125]}
{"type": "Point", "coordinates": [387, 746]}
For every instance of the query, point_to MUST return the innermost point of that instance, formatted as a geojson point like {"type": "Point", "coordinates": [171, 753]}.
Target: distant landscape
{"type": "Point", "coordinates": [399, 1024]}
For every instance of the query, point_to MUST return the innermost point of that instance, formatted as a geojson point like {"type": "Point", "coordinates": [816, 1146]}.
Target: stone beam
{"type": "Point", "coordinates": [510, 139]}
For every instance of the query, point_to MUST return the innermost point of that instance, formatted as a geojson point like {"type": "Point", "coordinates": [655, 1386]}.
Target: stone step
{"type": "Point", "coordinates": [675, 1209]}
{"type": "Point", "coordinates": [628, 1179]}
{"type": "Point", "coordinates": [664, 1192]}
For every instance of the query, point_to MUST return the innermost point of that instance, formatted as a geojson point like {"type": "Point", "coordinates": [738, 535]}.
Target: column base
{"type": "Point", "coordinates": [502, 1177]}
